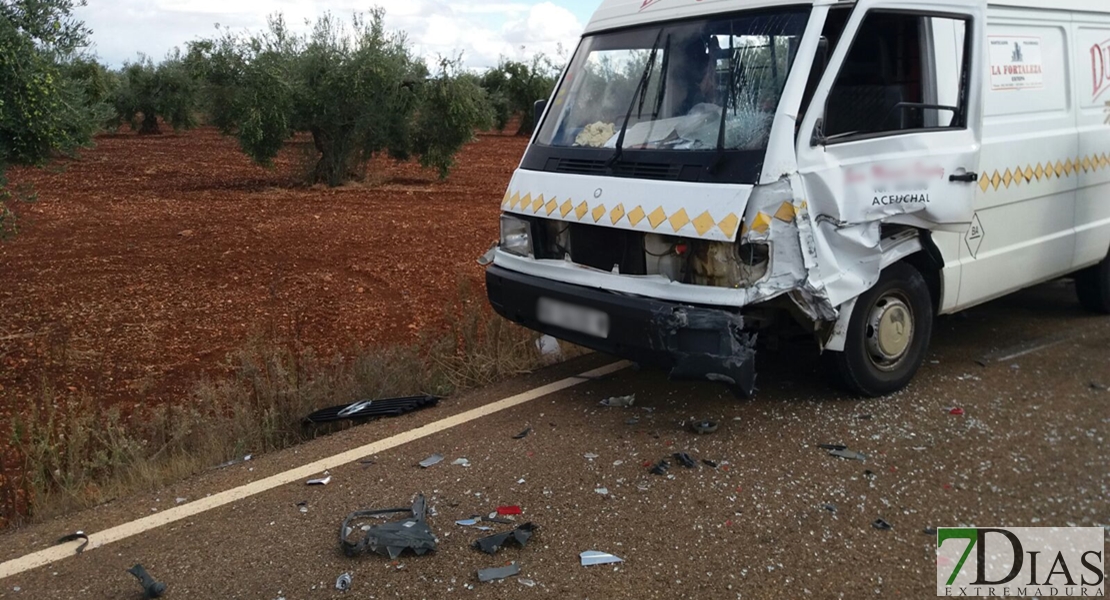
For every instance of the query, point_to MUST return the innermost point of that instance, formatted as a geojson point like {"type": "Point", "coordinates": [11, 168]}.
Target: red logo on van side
{"type": "Point", "coordinates": [1100, 68]}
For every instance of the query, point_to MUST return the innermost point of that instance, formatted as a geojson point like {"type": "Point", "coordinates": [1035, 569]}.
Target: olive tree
{"type": "Point", "coordinates": [355, 87]}
{"type": "Point", "coordinates": [42, 111]}
{"type": "Point", "coordinates": [514, 87]}
{"type": "Point", "coordinates": [148, 91]}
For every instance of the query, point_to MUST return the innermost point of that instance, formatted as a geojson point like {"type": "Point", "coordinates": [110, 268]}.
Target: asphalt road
{"type": "Point", "coordinates": [1028, 450]}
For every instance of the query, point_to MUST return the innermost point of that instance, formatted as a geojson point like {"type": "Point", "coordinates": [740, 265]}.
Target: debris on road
{"type": "Point", "coordinates": [832, 447]}
{"type": "Point", "coordinates": [493, 543]}
{"type": "Point", "coordinates": [321, 481]}
{"type": "Point", "coordinates": [704, 427]}
{"type": "Point", "coordinates": [850, 455]}
{"type": "Point", "coordinates": [830, 507]}
{"type": "Point", "coordinates": [929, 531]}
{"type": "Point", "coordinates": [590, 456]}
{"type": "Point", "coordinates": [527, 582]}
{"type": "Point", "coordinates": [522, 434]}
{"type": "Point", "coordinates": [509, 510]}
{"type": "Point", "coordinates": [661, 468]}
{"type": "Point", "coordinates": [432, 460]}
{"type": "Point", "coordinates": [619, 401]}
{"type": "Point", "coordinates": [594, 557]}
{"type": "Point", "coordinates": [365, 409]}
{"type": "Point", "coordinates": [463, 462]}
{"type": "Point", "coordinates": [686, 460]}
{"type": "Point", "coordinates": [73, 537]}
{"type": "Point", "coordinates": [863, 417]}
{"type": "Point", "coordinates": [343, 583]}
{"type": "Point", "coordinates": [955, 410]}
{"type": "Point", "coordinates": [151, 588]}
{"type": "Point", "coordinates": [601, 490]}
{"type": "Point", "coordinates": [633, 421]}
{"type": "Point", "coordinates": [1099, 387]}
{"type": "Point", "coordinates": [392, 538]}
{"type": "Point", "coordinates": [468, 522]}
{"type": "Point", "coordinates": [233, 462]}
{"type": "Point", "coordinates": [496, 573]}
{"type": "Point", "coordinates": [882, 525]}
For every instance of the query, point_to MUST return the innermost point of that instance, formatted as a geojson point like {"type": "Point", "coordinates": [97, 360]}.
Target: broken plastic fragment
{"type": "Point", "coordinates": [590, 456]}
{"type": "Point", "coordinates": [881, 524]}
{"type": "Point", "coordinates": [526, 582]}
{"type": "Point", "coordinates": [594, 557]}
{"type": "Point", "coordinates": [522, 434]}
{"type": "Point", "coordinates": [956, 411]}
{"type": "Point", "coordinates": [833, 447]}
{"type": "Point", "coordinates": [320, 481]}
{"type": "Point", "coordinates": [830, 507]}
{"type": "Point", "coordinates": [602, 491]}
{"type": "Point", "coordinates": [849, 454]}
{"type": "Point", "coordinates": [460, 461]}
{"type": "Point", "coordinates": [704, 427]}
{"type": "Point", "coordinates": [363, 409]}
{"type": "Point", "coordinates": [509, 510]}
{"type": "Point", "coordinates": [390, 538]}
{"type": "Point", "coordinates": [432, 460]}
{"type": "Point", "coordinates": [709, 463]}
{"type": "Point", "coordinates": [496, 573]}
{"type": "Point", "coordinates": [73, 537]}
{"type": "Point", "coordinates": [468, 522]}
{"type": "Point", "coordinates": [619, 401]}
{"type": "Point", "coordinates": [929, 531]}
{"type": "Point", "coordinates": [493, 543]}
{"type": "Point", "coordinates": [686, 460]}
{"type": "Point", "coordinates": [151, 588]}
{"type": "Point", "coordinates": [343, 583]}
{"type": "Point", "coordinates": [661, 468]}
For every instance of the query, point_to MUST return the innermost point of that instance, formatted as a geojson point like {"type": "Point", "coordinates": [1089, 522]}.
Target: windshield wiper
{"type": "Point", "coordinates": [636, 95]}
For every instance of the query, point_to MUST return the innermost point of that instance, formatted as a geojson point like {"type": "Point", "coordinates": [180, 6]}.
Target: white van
{"type": "Point", "coordinates": [710, 170]}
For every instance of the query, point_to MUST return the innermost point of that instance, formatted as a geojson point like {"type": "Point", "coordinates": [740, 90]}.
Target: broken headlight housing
{"type": "Point", "coordinates": [516, 236]}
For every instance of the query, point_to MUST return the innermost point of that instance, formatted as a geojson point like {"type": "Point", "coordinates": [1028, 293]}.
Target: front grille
{"type": "Point", "coordinates": [635, 170]}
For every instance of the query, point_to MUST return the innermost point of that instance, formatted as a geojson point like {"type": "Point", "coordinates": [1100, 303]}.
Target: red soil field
{"type": "Point", "coordinates": [143, 263]}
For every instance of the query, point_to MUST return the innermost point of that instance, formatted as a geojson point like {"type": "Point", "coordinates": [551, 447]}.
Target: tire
{"type": "Point", "coordinates": [874, 365]}
{"type": "Point", "coordinates": [1093, 287]}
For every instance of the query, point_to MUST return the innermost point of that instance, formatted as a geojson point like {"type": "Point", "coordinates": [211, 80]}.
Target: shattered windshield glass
{"type": "Point", "coordinates": [677, 86]}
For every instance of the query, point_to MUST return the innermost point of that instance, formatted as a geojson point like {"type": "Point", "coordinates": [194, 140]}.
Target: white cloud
{"type": "Point", "coordinates": [482, 31]}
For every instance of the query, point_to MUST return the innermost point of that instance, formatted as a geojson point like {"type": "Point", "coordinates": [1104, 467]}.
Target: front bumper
{"type": "Point", "coordinates": [693, 342]}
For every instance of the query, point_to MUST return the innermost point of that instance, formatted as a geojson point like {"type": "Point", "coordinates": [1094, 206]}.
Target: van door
{"type": "Point", "coordinates": [893, 132]}
{"type": "Point", "coordinates": [1031, 164]}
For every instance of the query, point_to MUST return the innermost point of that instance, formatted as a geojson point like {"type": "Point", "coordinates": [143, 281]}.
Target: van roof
{"type": "Point", "coordinates": [624, 13]}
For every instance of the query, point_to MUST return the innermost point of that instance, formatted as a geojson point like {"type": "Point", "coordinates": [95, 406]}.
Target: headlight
{"type": "Point", "coordinates": [516, 236]}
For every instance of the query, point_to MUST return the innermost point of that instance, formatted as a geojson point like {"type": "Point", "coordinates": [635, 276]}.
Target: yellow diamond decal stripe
{"type": "Point", "coordinates": [513, 201]}
{"type": "Point", "coordinates": [785, 212]}
{"type": "Point", "coordinates": [996, 180]}
{"type": "Point", "coordinates": [728, 225]}
{"type": "Point", "coordinates": [636, 216]}
{"type": "Point", "coordinates": [551, 206]}
{"type": "Point", "coordinates": [538, 204]}
{"type": "Point", "coordinates": [581, 210]}
{"type": "Point", "coordinates": [704, 223]}
{"type": "Point", "coordinates": [617, 214]}
{"type": "Point", "coordinates": [598, 213]}
{"type": "Point", "coordinates": [565, 209]}
{"type": "Point", "coordinates": [526, 201]}
{"type": "Point", "coordinates": [656, 217]}
{"type": "Point", "coordinates": [679, 220]}
{"type": "Point", "coordinates": [761, 223]}
{"type": "Point", "coordinates": [984, 182]}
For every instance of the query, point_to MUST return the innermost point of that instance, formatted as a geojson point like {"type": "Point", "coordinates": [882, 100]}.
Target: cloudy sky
{"type": "Point", "coordinates": [482, 29]}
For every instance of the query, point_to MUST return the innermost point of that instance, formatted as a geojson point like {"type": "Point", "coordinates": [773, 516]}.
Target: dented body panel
{"type": "Point", "coordinates": [863, 126]}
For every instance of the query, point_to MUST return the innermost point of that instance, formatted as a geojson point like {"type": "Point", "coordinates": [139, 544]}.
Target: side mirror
{"type": "Point", "coordinates": [537, 112]}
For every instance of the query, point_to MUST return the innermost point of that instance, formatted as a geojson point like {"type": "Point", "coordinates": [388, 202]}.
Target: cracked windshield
{"type": "Point", "coordinates": [677, 87]}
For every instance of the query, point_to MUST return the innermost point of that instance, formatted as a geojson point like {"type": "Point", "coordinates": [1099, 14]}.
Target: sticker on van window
{"type": "Point", "coordinates": [1016, 63]}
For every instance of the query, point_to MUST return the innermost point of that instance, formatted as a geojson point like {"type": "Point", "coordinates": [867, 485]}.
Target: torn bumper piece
{"type": "Point", "coordinates": [693, 342]}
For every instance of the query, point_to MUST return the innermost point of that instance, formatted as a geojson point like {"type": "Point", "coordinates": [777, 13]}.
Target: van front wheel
{"type": "Point", "coordinates": [888, 335]}
{"type": "Point", "coordinates": [1093, 287]}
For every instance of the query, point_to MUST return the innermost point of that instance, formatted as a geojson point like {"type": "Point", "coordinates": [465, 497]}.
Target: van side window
{"type": "Point", "coordinates": [904, 72]}
{"type": "Point", "coordinates": [835, 24]}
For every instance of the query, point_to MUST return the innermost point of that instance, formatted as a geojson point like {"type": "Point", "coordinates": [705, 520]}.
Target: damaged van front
{"type": "Point", "coordinates": [661, 211]}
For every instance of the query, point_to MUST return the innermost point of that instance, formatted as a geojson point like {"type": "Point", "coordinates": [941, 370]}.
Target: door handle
{"type": "Point", "coordinates": [965, 177]}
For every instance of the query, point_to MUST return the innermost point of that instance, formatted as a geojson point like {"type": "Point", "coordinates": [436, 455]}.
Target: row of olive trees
{"type": "Point", "coordinates": [356, 88]}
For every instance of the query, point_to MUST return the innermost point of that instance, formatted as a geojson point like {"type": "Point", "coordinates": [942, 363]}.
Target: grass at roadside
{"type": "Point", "coordinates": [72, 455]}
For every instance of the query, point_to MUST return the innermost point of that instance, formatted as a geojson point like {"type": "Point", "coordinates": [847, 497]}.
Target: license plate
{"type": "Point", "coordinates": [574, 318]}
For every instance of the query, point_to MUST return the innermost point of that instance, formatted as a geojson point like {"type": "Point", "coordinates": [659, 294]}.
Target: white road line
{"type": "Point", "coordinates": [121, 532]}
